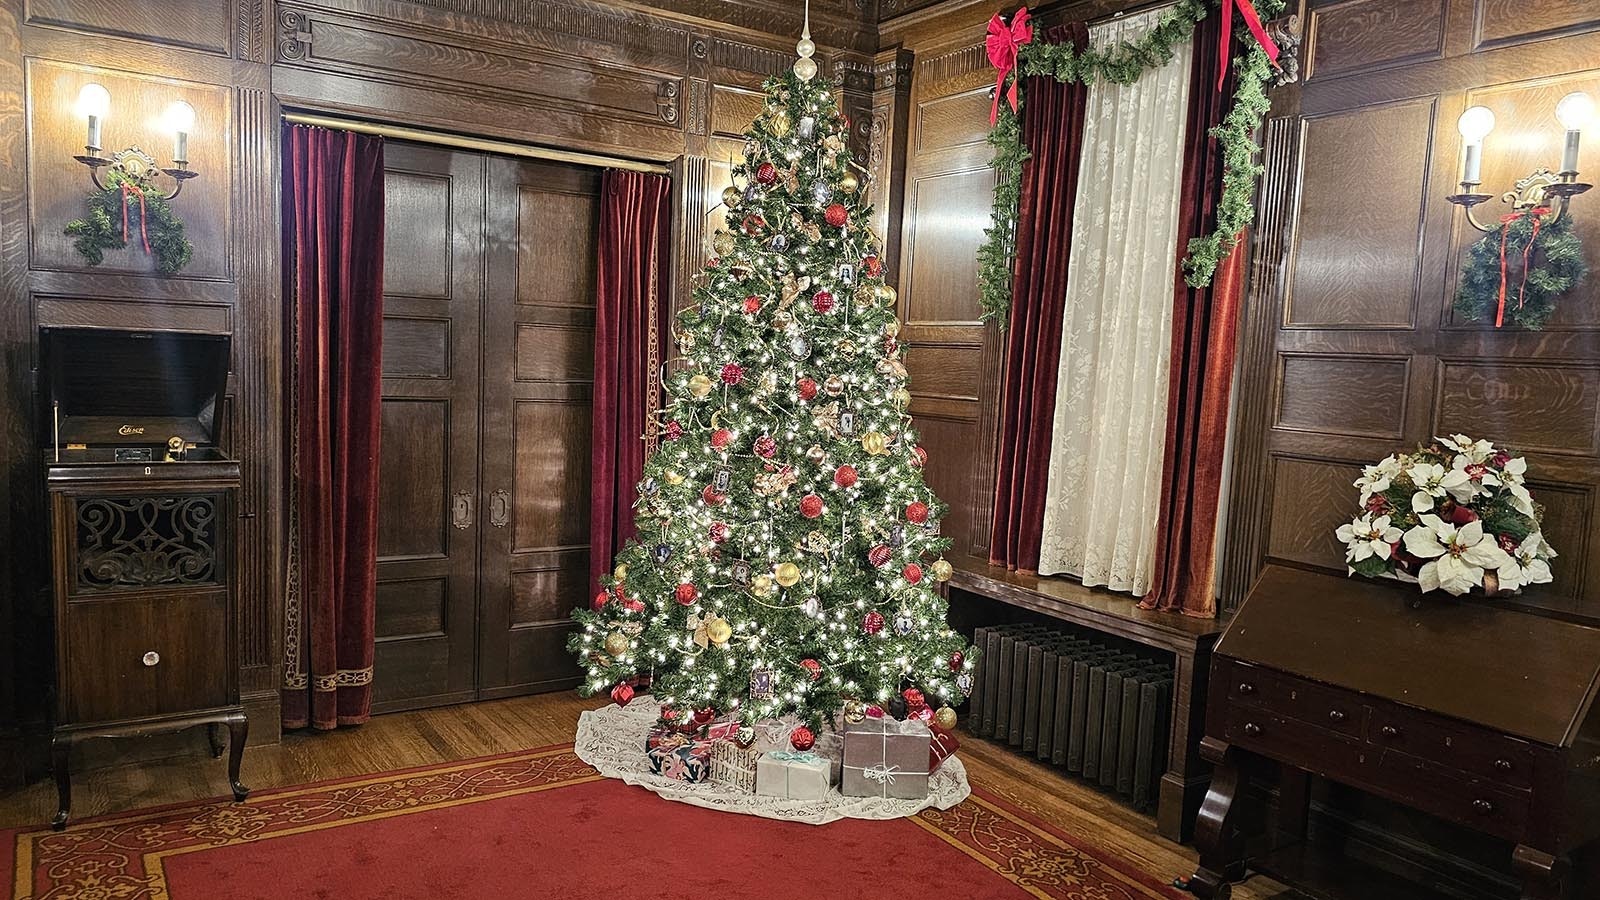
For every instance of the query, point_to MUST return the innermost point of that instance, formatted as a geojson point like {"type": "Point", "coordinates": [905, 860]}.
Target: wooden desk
{"type": "Point", "coordinates": [1472, 713]}
{"type": "Point", "coordinates": [1188, 639]}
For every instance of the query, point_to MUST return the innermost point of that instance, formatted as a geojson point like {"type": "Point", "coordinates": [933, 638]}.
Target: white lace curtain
{"type": "Point", "coordinates": [1111, 390]}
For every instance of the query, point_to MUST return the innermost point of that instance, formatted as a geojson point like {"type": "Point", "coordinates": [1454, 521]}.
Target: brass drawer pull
{"type": "Point", "coordinates": [1389, 731]}
{"type": "Point", "coordinates": [1336, 715]}
{"type": "Point", "coordinates": [1482, 807]}
{"type": "Point", "coordinates": [1246, 688]}
{"type": "Point", "coordinates": [150, 658]}
{"type": "Point", "coordinates": [1252, 729]}
{"type": "Point", "coordinates": [1502, 765]}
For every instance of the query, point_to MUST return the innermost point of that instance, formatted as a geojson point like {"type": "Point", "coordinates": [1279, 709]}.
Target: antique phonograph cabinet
{"type": "Point", "coordinates": [142, 507]}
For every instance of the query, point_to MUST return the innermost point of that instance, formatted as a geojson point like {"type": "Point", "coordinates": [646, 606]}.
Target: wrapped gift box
{"type": "Point", "coordinates": [678, 756]}
{"type": "Point", "coordinates": [886, 758]}
{"type": "Point", "coordinates": [794, 774]}
{"type": "Point", "coordinates": [942, 746]}
{"type": "Point", "coordinates": [734, 766]}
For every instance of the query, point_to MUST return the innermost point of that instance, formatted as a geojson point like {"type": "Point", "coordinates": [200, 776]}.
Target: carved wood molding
{"type": "Point", "coordinates": [730, 54]}
{"type": "Point", "coordinates": [954, 71]}
{"type": "Point", "coordinates": [250, 31]}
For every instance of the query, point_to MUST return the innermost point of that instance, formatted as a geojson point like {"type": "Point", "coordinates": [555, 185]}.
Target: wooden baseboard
{"type": "Point", "coordinates": [264, 709]}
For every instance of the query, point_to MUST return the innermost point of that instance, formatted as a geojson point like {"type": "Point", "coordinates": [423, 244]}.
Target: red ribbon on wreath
{"type": "Point", "coordinates": [1003, 43]}
{"type": "Point", "coordinates": [144, 236]}
{"type": "Point", "coordinates": [1538, 214]}
{"type": "Point", "coordinates": [1253, 20]}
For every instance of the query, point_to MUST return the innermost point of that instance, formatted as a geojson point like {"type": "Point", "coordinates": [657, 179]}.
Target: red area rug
{"type": "Point", "coordinates": [542, 824]}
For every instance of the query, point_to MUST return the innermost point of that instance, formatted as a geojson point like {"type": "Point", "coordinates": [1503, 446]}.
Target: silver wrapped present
{"type": "Point", "coordinates": [794, 775]}
{"type": "Point", "coordinates": [886, 758]}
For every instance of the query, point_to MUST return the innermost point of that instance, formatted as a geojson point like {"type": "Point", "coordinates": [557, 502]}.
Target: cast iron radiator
{"type": "Point", "coordinates": [1080, 701]}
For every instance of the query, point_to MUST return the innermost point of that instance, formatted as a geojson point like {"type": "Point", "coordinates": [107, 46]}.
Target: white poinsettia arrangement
{"type": "Point", "coordinates": [1454, 515]}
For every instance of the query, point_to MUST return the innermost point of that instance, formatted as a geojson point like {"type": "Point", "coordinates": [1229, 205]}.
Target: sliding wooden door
{"type": "Point", "coordinates": [483, 528]}
{"type": "Point", "coordinates": [429, 514]}
{"type": "Point", "coordinates": [537, 398]}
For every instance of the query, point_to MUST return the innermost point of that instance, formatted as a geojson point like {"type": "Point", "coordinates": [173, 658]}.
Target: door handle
{"type": "Point", "coordinates": [461, 510]}
{"type": "Point", "coordinates": [499, 508]}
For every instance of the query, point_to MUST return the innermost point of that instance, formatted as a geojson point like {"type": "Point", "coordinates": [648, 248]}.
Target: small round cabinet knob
{"type": "Point", "coordinates": [1389, 731]}
{"type": "Point", "coordinates": [1482, 807]}
{"type": "Point", "coordinates": [1252, 728]}
{"type": "Point", "coordinates": [1336, 715]}
{"type": "Point", "coordinates": [150, 658]}
{"type": "Point", "coordinates": [1502, 765]}
{"type": "Point", "coordinates": [1246, 687]}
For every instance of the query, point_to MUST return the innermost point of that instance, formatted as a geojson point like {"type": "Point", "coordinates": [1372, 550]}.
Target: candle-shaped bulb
{"type": "Point", "coordinates": [1574, 113]}
{"type": "Point", "coordinates": [94, 101]}
{"type": "Point", "coordinates": [1474, 125]}
{"type": "Point", "coordinates": [180, 121]}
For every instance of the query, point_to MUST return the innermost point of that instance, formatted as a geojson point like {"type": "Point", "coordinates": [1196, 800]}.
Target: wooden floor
{"type": "Point", "coordinates": [117, 776]}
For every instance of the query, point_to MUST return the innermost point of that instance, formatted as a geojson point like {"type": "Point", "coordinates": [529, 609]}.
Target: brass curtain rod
{"type": "Point", "coordinates": [485, 145]}
{"type": "Point", "coordinates": [1132, 9]}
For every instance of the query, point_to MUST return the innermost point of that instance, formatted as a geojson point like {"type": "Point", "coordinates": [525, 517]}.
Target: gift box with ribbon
{"type": "Point", "coordinates": [794, 775]}
{"type": "Point", "coordinates": [678, 756]}
{"type": "Point", "coordinates": [886, 758]}
{"type": "Point", "coordinates": [734, 766]}
{"type": "Point", "coordinates": [942, 746]}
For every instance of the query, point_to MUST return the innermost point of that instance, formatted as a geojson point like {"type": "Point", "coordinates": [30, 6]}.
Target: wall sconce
{"type": "Point", "coordinates": [1538, 188]}
{"type": "Point", "coordinates": [94, 104]}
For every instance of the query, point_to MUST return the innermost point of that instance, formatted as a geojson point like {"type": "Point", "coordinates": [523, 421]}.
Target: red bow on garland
{"type": "Point", "coordinates": [144, 235]}
{"type": "Point", "coordinates": [1252, 19]}
{"type": "Point", "coordinates": [1538, 213]}
{"type": "Point", "coordinates": [1003, 43]}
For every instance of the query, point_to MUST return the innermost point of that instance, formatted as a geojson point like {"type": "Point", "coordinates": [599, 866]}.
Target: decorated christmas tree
{"type": "Point", "coordinates": [787, 548]}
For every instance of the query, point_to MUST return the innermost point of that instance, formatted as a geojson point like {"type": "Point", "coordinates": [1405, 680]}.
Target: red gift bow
{"type": "Point", "coordinates": [1002, 44]}
{"type": "Point", "coordinates": [1538, 214]}
{"type": "Point", "coordinates": [1252, 19]}
{"type": "Point", "coordinates": [143, 235]}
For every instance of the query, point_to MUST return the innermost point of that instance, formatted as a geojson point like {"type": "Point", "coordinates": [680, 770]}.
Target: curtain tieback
{"type": "Point", "coordinates": [1002, 43]}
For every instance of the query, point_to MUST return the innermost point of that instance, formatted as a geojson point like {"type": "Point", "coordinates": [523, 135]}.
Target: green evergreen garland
{"type": "Point", "coordinates": [1123, 63]}
{"type": "Point", "coordinates": [101, 229]}
{"type": "Point", "coordinates": [1555, 266]}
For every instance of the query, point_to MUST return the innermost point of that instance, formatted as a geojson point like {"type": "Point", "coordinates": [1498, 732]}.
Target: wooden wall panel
{"type": "Point", "coordinates": [551, 499]}
{"type": "Point", "coordinates": [203, 25]}
{"type": "Point", "coordinates": [416, 347]}
{"type": "Point", "coordinates": [412, 470]}
{"type": "Point", "coordinates": [556, 265]}
{"type": "Point", "coordinates": [1502, 22]}
{"type": "Point", "coordinates": [555, 353]}
{"type": "Point", "coordinates": [410, 606]}
{"type": "Point", "coordinates": [1359, 35]}
{"type": "Point", "coordinates": [943, 257]}
{"type": "Point", "coordinates": [1334, 394]}
{"type": "Point", "coordinates": [960, 120]}
{"type": "Point", "coordinates": [416, 203]}
{"type": "Point", "coordinates": [543, 595]}
{"type": "Point", "coordinates": [1545, 408]}
{"type": "Point", "coordinates": [1310, 500]}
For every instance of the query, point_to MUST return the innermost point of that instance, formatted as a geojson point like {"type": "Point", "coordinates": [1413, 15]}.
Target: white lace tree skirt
{"type": "Point", "coordinates": [612, 740]}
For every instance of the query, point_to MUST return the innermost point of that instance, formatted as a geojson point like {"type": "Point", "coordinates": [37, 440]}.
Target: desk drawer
{"type": "Point", "coordinates": [1477, 803]}
{"type": "Point", "coordinates": [126, 658]}
{"type": "Point", "coordinates": [1302, 744]}
{"type": "Point", "coordinates": [1446, 742]}
{"type": "Point", "coordinates": [1342, 712]}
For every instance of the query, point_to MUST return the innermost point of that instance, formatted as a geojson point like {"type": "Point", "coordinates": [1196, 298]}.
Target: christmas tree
{"type": "Point", "coordinates": [788, 548]}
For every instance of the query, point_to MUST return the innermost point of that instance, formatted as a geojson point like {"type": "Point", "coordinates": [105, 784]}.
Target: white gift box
{"type": "Point", "coordinates": [794, 775]}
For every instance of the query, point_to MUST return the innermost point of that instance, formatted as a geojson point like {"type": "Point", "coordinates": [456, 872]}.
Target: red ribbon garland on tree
{"type": "Point", "coordinates": [1003, 43]}
{"type": "Point", "coordinates": [1538, 214]}
{"type": "Point", "coordinates": [1252, 19]}
{"type": "Point", "coordinates": [144, 235]}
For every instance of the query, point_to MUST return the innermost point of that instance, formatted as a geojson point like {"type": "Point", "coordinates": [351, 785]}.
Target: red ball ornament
{"type": "Point", "coordinates": [621, 694]}
{"type": "Point", "coordinates": [702, 716]}
{"type": "Point", "coordinates": [766, 173]}
{"type": "Point", "coordinates": [802, 739]}
{"type": "Point", "coordinates": [916, 512]}
{"type": "Point", "coordinates": [674, 430]}
{"type": "Point", "coordinates": [919, 456]}
{"type": "Point", "coordinates": [872, 622]}
{"type": "Point", "coordinates": [810, 507]}
{"type": "Point", "coordinates": [874, 711]}
{"type": "Point", "coordinates": [914, 698]}
{"type": "Point", "coordinates": [878, 555]}
{"type": "Point", "coordinates": [721, 438]}
{"type": "Point", "coordinates": [732, 373]}
{"type": "Point", "coordinates": [872, 266]}
{"type": "Point", "coordinates": [711, 497]}
{"type": "Point", "coordinates": [912, 573]}
{"type": "Point", "coordinates": [808, 388]}
{"type": "Point", "coordinates": [600, 600]}
{"type": "Point", "coordinates": [844, 476]}
{"type": "Point", "coordinates": [822, 302]}
{"type": "Point", "coordinates": [753, 224]}
{"type": "Point", "coordinates": [765, 447]}
{"type": "Point", "coordinates": [686, 593]}
{"type": "Point", "coordinates": [668, 714]}
{"type": "Point", "coordinates": [812, 666]}
{"type": "Point", "coordinates": [720, 532]}
{"type": "Point", "coordinates": [836, 214]}
{"type": "Point", "coordinates": [956, 659]}
{"type": "Point", "coordinates": [632, 604]}
{"type": "Point", "coordinates": [752, 304]}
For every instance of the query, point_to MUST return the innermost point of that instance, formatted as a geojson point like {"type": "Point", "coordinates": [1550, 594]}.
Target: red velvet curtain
{"type": "Point", "coordinates": [333, 225]}
{"type": "Point", "coordinates": [1052, 129]}
{"type": "Point", "coordinates": [630, 307]}
{"type": "Point", "coordinates": [1204, 329]}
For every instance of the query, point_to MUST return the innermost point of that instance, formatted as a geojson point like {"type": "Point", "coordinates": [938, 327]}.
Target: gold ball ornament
{"type": "Point", "coordinates": [883, 293]}
{"type": "Point", "coordinates": [816, 454]}
{"type": "Point", "coordinates": [942, 570]}
{"type": "Point", "coordinates": [701, 386]}
{"type": "Point", "coordinates": [673, 477]}
{"type": "Point", "coordinates": [848, 183]}
{"type": "Point", "coordinates": [780, 123]}
{"type": "Point", "coordinates": [875, 443]}
{"type": "Point", "coordinates": [945, 718]}
{"type": "Point", "coordinates": [616, 643]}
{"type": "Point", "coordinates": [620, 572]}
{"type": "Point", "coordinates": [891, 327]}
{"type": "Point", "coordinates": [833, 385]}
{"type": "Point", "coordinates": [762, 585]}
{"type": "Point", "coordinates": [902, 397]}
{"type": "Point", "coordinates": [731, 197]}
{"type": "Point", "coordinates": [718, 630]}
{"type": "Point", "coordinates": [788, 574]}
{"type": "Point", "coordinates": [722, 242]}
{"type": "Point", "coordinates": [854, 711]}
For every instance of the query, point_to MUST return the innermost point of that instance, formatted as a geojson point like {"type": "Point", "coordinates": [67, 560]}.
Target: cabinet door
{"type": "Point", "coordinates": [130, 657]}
{"type": "Point", "coordinates": [538, 389]}
{"type": "Point", "coordinates": [428, 510]}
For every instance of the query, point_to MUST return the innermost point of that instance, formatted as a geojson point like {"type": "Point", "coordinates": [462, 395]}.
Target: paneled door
{"type": "Point", "coordinates": [537, 399]}
{"type": "Point", "coordinates": [429, 510]}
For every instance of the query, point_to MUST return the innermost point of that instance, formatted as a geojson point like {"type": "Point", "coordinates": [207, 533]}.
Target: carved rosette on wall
{"type": "Point", "coordinates": [135, 542]}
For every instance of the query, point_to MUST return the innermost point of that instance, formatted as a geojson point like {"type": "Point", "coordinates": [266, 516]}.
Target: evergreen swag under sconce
{"type": "Point", "coordinates": [1015, 53]}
